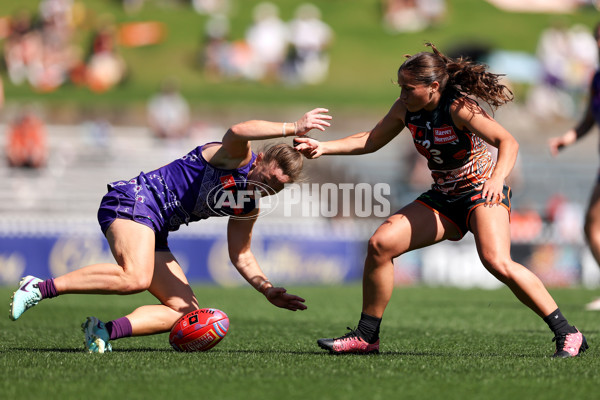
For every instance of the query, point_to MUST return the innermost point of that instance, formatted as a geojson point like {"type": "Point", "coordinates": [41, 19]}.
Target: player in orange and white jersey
{"type": "Point", "coordinates": [452, 131]}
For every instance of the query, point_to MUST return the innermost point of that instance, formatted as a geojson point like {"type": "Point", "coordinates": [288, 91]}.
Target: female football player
{"type": "Point", "coordinates": [590, 118]}
{"type": "Point", "coordinates": [451, 130]}
{"type": "Point", "coordinates": [137, 215]}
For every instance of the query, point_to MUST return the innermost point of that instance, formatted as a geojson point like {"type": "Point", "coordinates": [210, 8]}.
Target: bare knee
{"type": "Point", "coordinates": [503, 268]}
{"type": "Point", "coordinates": [380, 247]}
{"type": "Point", "coordinates": [135, 283]}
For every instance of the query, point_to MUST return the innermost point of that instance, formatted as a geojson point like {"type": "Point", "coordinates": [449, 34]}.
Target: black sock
{"type": "Point", "coordinates": [368, 327]}
{"type": "Point", "coordinates": [558, 323]}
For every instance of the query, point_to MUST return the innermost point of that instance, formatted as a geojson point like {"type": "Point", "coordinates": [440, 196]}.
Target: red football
{"type": "Point", "coordinates": [199, 330]}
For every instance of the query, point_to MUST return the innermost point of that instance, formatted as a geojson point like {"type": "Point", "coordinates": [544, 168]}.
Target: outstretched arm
{"type": "Point", "coordinates": [239, 236]}
{"type": "Point", "coordinates": [569, 137]}
{"type": "Point", "coordinates": [359, 143]}
{"type": "Point", "coordinates": [237, 139]}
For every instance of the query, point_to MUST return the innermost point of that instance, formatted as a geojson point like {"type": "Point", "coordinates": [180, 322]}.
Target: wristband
{"type": "Point", "coordinates": [262, 284]}
{"type": "Point", "coordinates": [283, 129]}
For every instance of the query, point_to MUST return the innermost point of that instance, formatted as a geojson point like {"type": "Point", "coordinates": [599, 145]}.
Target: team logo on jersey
{"type": "Point", "coordinates": [227, 181]}
{"type": "Point", "coordinates": [417, 132]}
{"type": "Point", "coordinates": [444, 134]}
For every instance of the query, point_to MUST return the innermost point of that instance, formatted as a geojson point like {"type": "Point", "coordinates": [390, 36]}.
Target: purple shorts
{"type": "Point", "coordinates": [116, 204]}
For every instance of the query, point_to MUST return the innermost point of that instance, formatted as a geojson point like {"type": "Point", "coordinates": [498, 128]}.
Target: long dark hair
{"type": "Point", "coordinates": [461, 75]}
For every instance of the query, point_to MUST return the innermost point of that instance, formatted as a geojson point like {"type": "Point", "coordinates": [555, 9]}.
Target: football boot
{"type": "Point", "coordinates": [569, 345]}
{"type": "Point", "coordinates": [26, 296]}
{"type": "Point", "coordinates": [96, 336]}
{"type": "Point", "coordinates": [350, 343]}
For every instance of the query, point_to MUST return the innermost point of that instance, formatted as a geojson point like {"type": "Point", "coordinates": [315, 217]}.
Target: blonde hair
{"type": "Point", "coordinates": [287, 158]}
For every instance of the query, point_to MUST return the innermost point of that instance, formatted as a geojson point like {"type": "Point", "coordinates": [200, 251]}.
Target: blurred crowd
{"type": "Point", "coordinates": [555, 79]}
{"type": "Point", "coordinates": [272, 50]}
{"type": "Point", "coordinates": [568, 57]}
{"type": "Point", "coordinates": [43, 49]}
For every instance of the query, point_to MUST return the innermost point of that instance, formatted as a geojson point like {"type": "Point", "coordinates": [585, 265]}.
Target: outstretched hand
{"type": "Point", "coordinates": [555, 145]}
{"type": "Point", "coordinates": [279, 297]}
{"type": "Point", "coordinates": [308, 147]}
{"type": "Point", "coordinates": [314, 119]}
{"type": "Point", "coordinates": [558, 143]}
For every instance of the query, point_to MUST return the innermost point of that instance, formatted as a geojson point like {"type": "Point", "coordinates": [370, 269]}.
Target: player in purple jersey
{"type": "Point", "coordinates": [590, 118]}
{"type": "Point", "coordinates": [136, 216]}
{"type": "Point", "coordinates": [451, 130]}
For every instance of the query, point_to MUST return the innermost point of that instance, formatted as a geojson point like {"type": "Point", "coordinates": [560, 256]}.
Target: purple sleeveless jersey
{"type": "Point", "coordinates": [183, 191]}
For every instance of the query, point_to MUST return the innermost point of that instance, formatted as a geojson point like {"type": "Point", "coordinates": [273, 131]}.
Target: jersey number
{"type": "Point", "coordinates": [435, 154]}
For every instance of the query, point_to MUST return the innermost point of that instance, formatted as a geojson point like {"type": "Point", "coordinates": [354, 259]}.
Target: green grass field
{"type": "Point", "coordinates": [436, 343]}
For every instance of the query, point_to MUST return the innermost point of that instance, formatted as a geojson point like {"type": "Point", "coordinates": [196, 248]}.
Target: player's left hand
{"type": "Point", "coordinates": [491, 191]}
{"type": "Point", "coordinates": [314, 119]}
{"type": "Point", "coordinates": [279, 297]}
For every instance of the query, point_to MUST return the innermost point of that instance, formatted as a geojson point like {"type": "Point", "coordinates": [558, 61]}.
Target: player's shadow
{"type": "Point", "coordinates": [42, 350]}
{"type": "Point", "coordinates": [383, 354]}
{"type": "Point", "coordinates": [80, 350]}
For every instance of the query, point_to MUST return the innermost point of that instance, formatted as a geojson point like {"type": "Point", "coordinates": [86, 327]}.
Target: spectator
{"type": "Point", "coordinates": [568, 58]}
{"type": "Point", "coordinates": [310, 37]}
{"type": "Point", "coordinates": [211, 7]}
{"type": "Point", "coordinates": [26, 142]}
{"type": "Point", "coordinates": [168, 112]}
{"type": "Point", "coordinates": [104, 67]}
{"type": "Point", "coordinates": [22, 47]}
{"type": "Point", "coordinates": [268, 41]}
{"type": "Point", "coordinates": [412, 15]}
{"type": "Point", "coordinates": [216, 53]}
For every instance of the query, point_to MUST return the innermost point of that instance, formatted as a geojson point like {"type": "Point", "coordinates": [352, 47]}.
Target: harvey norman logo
{"type": "Point", "coordinates": [444, 135]}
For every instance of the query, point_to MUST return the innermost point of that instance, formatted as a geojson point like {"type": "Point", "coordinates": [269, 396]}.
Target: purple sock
{"type": "Point", "coordinates": [119, 328]}
{"type": "Point", "coordinates": [47, 289]}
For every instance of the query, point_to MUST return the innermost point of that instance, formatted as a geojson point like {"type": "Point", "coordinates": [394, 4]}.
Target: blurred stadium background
{"type": "Point", "coordinates": [82, 79]}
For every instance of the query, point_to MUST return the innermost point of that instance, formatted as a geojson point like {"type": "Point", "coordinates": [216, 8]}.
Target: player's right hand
{"type": "Point", "coordinates": [558, 143]}
{"type": "Point", "coordinates": [279, 297]}
{"type": "Point", "coordinates": [555, 145]}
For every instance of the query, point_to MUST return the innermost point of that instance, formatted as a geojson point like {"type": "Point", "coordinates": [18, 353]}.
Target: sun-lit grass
{"type": "Point", "coordinates": [436, 343]}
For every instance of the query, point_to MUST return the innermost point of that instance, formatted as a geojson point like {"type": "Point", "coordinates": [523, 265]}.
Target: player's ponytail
{"type": "Point", "coordinates": [461, 75]}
